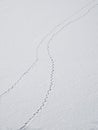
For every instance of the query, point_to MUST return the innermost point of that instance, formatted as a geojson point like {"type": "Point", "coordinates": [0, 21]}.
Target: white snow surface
{"type": "Point", "coordinates": [73, 101]}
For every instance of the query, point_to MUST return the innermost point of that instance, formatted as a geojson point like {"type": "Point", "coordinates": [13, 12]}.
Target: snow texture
{"type": "Point", "coordinates": [48, 65]}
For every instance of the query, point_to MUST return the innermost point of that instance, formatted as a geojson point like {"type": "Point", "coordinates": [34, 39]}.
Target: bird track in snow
{"type": "Point", "coordinates": [52, 62]}
{"type": "Point", "coordinates": [51, 33]}
{"type": "Point", "coordinates": [58, 28]}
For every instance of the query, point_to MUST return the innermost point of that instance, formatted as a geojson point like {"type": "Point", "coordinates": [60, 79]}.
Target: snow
{"type": "Point", "coordinates": [73, 102]}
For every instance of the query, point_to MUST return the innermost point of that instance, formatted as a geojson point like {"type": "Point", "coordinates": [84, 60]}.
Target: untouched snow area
{"type": "Point", "coordinates": [67, 63]}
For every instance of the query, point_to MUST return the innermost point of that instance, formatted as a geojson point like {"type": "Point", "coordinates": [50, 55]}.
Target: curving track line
{"type": "Point", "coordinates": [52, 60]}
{"type": "Point", "coordinates": [57, 29]}
{"type": "Point", "coordinates": [51, 33]}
